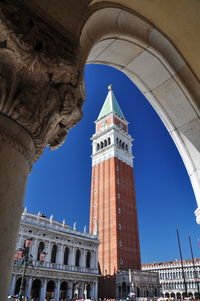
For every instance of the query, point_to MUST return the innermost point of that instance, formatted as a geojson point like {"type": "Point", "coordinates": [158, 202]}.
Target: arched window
{"type": "Point", "coordinates": [105, 143]}
{"type": "Point", "coordinates": [117, 140]}
{"type": "Point", "coordinates": [109, 141]}
{"type": "Point", "coordinates": [50, 289]}
{"type": "Point", "coordinates": [123, 287]}
{"type": "Point", "coordinates": [66, 256]}
{"type": "Point", "coordinates": [97, 147]}
{"type": "Point", "coordinates": [63, 290]}
{"type": "Point", "coordinates": [88, 259]}
{"type": "Point", "coordinates": [122, 144]}
{"type": "Point", "coordinates": [77, 259]}
{"type": "Point", "coordinates": [101, 144]}
{"type": "Point", "coordinates": [40, 249]}
{"type": "Point", "coordinates": [36, 288]}
{"type": "Point", "coordinates": [126, 147]}
{"type": "Point", "coordinates": [53, 254]}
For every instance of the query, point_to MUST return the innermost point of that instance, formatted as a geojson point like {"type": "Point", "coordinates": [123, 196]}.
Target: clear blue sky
{"type": "Point", "coordinates": [60, 181]}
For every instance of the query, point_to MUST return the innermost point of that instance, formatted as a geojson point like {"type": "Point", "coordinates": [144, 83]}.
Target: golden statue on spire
{"type": "Point", "coordinates": [110, 87]}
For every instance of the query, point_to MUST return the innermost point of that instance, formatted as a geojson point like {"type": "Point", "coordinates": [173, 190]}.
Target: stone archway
{"type": "Point", "coordinates": [63, 290]}
{"type": "Point", "coordinates": [36, 290]}
{"type": "Point", "coordinates": [18, 284]}
{"type": "Point", "coordinates": [120, 38]}
{"type": "Point", "coordinates": [24, 135]}
{"type": "Point", "coordinates": [50, 290]}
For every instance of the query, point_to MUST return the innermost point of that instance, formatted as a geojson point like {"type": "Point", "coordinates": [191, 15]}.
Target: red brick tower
{"type": "Point", "coordinates": [113, 204]}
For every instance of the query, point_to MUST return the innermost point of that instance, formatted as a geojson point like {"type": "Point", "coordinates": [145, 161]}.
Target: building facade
{"type": "Point", "coordinates": [140, 283]}
{"type": "Point", "coordinates": [113, 202]}
{"type": "Point", "coordinates": [70, 268]}
{"type": "Point", "coordinates": [171, 277]}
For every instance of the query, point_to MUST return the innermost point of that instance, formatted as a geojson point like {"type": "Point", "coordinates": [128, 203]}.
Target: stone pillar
{"type": "Point", "coordinates": [57, 290]}
{"type": "Point", "coordinates": [48, 257]}
{"type": "Point", "coordinates": [35, 249]}
{"type": "Point", "coordinates": [69, 291]}
{"type": "Point", "coordinates": [12, 287]}
{"type": "Point", "coordinates": [29, 287]}
{"type": "Point", "coordinates": [43, 290]}
{"type": "Point", "coordinates": [72, 259]}
{"type": "Point", "coordinates": [61, 255]}
{"type": "Point", "coordinates": [83, 258]}
{"type": "Point", "coordinates": [92, 291]}
{"type": "Point", "coordinates": [41, 96]}
{"type": "Point", "coordinates": [14, 168]}
{"type": "Point", "coordinates": [95, 290]}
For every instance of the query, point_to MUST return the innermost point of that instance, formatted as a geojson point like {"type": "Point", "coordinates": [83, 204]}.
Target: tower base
{"type": "Point", "coordinates": [107, 287]}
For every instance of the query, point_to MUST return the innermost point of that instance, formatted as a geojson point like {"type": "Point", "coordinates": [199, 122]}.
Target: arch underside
{"type": "Point", "coordinates": [121, 39]}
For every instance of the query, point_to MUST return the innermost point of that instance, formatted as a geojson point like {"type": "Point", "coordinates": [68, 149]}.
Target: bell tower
{"type": "Point", "coordinates": [113, 203]}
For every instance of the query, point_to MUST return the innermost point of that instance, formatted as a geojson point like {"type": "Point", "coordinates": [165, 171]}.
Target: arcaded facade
{"type": "Point", "coordinates": [172, 280]}
{"type": "Point", "coordinates": [70, 268]}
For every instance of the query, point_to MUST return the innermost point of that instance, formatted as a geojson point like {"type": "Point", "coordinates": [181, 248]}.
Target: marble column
{"type": "Point", "coordinates": [35, 249]}
{"type": "Point", "coordinates": [95, 290]}
{"type": "Point", "coordinates": [29, 287]}
{"type": "Point", "coordinates": [61, 255]}
{"type": "Point", "coordinates": [57, 290]}
{"type": "Point", "coordinates": [12, 287]}
{"type": "Point", "coordinates": [41, 97]}
{"type": "Point", "coordinates": [83, 261]}
{"type": "Point", "coordinates": [14, 169]}
{"type": "Point", "coordinates": [43, 290]}
{"type": "Point", "coordinates": [48, 257]}
{"type": "Point", "coordinates": [69, 291]}
{"type": "Point", "coordinates": [72, 257]}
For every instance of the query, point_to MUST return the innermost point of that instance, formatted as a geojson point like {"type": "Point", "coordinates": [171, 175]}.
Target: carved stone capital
{"type": "Point", "coordinates": [41, 81]}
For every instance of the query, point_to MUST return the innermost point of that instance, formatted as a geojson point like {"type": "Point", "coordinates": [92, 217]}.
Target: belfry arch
{"type": "Point", "coordinates": [124, 40]}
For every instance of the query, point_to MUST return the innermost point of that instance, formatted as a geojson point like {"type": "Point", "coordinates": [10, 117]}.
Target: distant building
{"type": "Point", "coordinates": [140, 283]}
{"type": "Point", "coordinates": [171, 277]}
{"type": "Point", "coordinates": [70, 268]}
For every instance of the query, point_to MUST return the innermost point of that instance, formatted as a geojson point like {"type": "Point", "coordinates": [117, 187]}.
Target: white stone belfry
{"type": "Point", "coordinates": [111, 138]}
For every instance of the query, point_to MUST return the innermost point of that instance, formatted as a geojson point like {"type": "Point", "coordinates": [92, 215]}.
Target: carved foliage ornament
{"type": "Point", "coordinates": [41, 83]}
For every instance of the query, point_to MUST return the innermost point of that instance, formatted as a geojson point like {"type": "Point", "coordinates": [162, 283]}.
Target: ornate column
{"type": "Point", "coordinates": [83, 259]}
{"type": "Point", "coordinates": [95, 290]}
{"type": "Point", "coordinates": [72, 257]}
{"type": "Point", "coordinates": [43, 290]}
{"type": "Point", "coordinates": [69, 291]}
{"type": "Point", "coordinates": [29, 287]}
{"type": "Point", "coordinates": [57, 290]}
{"type": "Point", "coordinates": [35, 249]}
{"type": "Point", "coordinates": [61, 257]}
{"type": "Point", "coordinates": [41, 95]}
{"type": "Point", "coordinates": [12, 287]}
{"type": "Point", "coordinates": [48, 257]}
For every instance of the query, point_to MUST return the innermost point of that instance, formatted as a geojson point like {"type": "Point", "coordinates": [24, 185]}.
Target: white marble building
{"type": "Point", "coordinates": [70, 268]}
{"type": "Point", "coordinates": [141, 283]}
{"type": "Point", "coordinates": [171, 277]}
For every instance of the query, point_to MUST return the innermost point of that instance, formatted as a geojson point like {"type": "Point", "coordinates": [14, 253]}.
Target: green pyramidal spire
{"type": "Point", "coordinates": [110, 105]}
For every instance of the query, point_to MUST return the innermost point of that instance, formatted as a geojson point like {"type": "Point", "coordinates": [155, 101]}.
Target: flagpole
{"type": "Point", "coordinates": [183, 273]}
{"type": "Point", "coordinates": [195, 272]}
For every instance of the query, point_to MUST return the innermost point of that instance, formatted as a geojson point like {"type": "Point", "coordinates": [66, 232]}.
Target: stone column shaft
{"type": "Point", "coordinates": [12, 288]}
{"type": "Point", "coordinates": [35, 249]}
{"type": "Point", "coordinates": [29, 287]}
{"type": "Point", "coordinates": [14, 169]}
{"type": "Point", "coordinates": [41, 97]}
{"type": "Point", "coordinates": [43, 291]}
{"type": "Point", "coordinates": [57, 291]}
